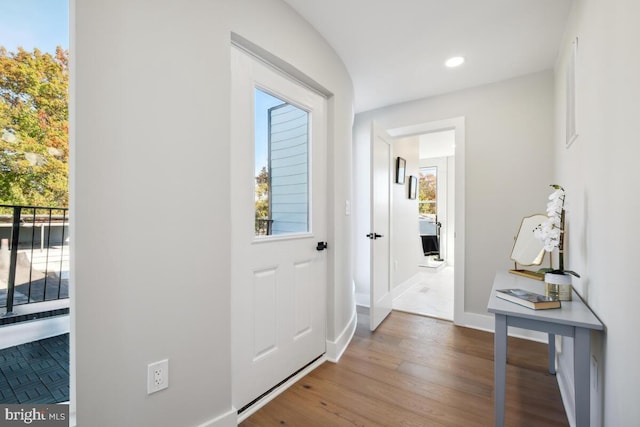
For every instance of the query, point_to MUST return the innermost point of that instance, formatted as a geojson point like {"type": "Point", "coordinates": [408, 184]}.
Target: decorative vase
{"type": "Point", "coordinates": [558, 286]}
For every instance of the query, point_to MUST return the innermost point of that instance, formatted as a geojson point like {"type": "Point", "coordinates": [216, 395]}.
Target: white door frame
{"type": "Point", "coordinates": [457, 124]}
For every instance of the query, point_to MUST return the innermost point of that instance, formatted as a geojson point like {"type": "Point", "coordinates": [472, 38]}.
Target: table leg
{"type": "Point", "coordinates": [500, 367]}
{"type": "Point", "coordinates": [552, 354]}
{"type": "Point", "coordinates": [582, 375]}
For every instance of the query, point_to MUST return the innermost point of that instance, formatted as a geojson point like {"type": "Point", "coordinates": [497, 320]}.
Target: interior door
{"type": "Point", "coordinates": [380, 235]}
{"type": "Point", "coordinates": [278, 269]}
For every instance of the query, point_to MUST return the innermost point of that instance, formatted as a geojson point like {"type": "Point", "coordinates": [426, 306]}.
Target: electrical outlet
{"type": "Point", "coordinates": [157, 376]}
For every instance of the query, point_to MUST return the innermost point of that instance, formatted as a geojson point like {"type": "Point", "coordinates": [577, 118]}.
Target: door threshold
{"type": "Point", "coordinates": [251, 408]}
{"type": "Point", "coordinates": [421, 314]}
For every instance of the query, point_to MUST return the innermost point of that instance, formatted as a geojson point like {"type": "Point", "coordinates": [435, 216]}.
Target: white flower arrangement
{"type": "Point", "coordinates": [551, 232]}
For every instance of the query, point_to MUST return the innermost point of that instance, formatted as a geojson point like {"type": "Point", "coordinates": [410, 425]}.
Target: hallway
{"type": "Point", "coordinates": [422, 372]}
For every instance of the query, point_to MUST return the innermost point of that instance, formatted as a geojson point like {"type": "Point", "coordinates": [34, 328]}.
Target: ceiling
{"type": "Point", "coordinates": [433, 144]}
{"type": "Point", "coordinates": [395, 50]}
{"type": "Point", "coordinates": [437, 144]}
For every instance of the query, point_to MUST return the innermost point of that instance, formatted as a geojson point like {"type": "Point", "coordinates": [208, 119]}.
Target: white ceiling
{"type": "Point", "coordinates": [433, 145]}
{"type": "Point", "coordinates": [437, 144]}
{"type": "Point", "coordinates": [395, 50]}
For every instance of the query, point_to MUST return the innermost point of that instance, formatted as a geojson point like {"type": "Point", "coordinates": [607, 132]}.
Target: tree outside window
{"type": "Point", "coordinates": [34, 148]}
{"type": "Point", "coordinates": [427, 186]}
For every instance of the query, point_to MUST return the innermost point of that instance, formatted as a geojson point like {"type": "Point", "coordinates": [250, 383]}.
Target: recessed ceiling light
{"type": "Point", "coordinates": [456, 61]}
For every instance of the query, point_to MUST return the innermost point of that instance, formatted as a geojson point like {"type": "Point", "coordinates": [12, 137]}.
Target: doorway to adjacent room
{"type": "Point", "coordinates": [432, 293]}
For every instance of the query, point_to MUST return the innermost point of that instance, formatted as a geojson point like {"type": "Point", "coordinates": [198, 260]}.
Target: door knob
{"type": "Point", "coordinates": [374, 236]}
{"type": "Point", "coordinates": [321, 246]}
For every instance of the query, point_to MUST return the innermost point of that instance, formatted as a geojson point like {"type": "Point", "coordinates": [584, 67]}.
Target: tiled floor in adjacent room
{"type": "Point", "coordinates": [35, 372]}
{"type": "Point", "coordinates": [432, 296]}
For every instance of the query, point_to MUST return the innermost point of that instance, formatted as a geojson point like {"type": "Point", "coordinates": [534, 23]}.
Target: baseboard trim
{"type": "Point", "coordinates": [363, 300]}
{"type": "Point", "coordinates": [228, 419]}
{"type": "Point", "coordinates": [482, 322]}
{"type": "Point", "coordinates": [277, 391]}
{"type": "Point", "coordinates": [335, 349]}
{"type": "Point", "coordinates": [485, 322]}
{"type": "Point", "coordinates": [566, 392]}
{"type": "Point", "coordinates": [404, 286]}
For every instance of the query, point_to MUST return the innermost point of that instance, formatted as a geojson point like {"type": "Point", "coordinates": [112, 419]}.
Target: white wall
{"type": "Point", "coordinates": [600, 174]}
{"type": "Point", "coordinates": [509, 135]}
{"type": "Point", "coordinates": [405, 244]}
{"type": "Point", "coordinates": [150, 134]}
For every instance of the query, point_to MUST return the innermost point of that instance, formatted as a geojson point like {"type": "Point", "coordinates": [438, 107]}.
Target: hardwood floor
{"type": "Point", "coordinates": [418, 371]}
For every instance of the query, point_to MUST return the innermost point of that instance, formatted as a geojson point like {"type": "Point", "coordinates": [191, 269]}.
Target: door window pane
{"type": "Point", "coordinates": [282, 166]}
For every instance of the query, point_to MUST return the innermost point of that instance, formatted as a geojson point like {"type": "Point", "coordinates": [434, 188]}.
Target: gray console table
{"type": "Point", "coordinates": [575, 319]}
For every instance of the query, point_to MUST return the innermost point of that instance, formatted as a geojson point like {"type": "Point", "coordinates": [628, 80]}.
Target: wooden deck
{"type": "Point", "coordinates": [418, 371]}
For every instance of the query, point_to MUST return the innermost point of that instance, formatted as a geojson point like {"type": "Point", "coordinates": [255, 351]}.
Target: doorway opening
{"type": "Point", "coordinates": [437, 287]}
{"type": "Point", "coordinates": [432, 291]}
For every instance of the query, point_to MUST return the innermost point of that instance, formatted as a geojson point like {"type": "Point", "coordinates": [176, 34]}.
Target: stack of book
{"type": "Point", "coordinates": [528, 299]}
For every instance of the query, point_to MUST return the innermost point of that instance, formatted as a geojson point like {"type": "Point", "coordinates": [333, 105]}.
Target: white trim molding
{"type": "Point", "coordinates": [336, 348]}
{"type": "Point", "coordinates": [404, 286]}
{"type": "Point", "coordinates": [363, 300]}
{"type": "Point", "coordinates": [566, 386]}
{"type": "Point", "coordinates": [485, 322]}
{"type": "Point", "coordinates": [228, 419]}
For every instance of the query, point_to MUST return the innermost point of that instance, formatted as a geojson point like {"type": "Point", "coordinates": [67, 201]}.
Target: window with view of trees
{"type": "Point", "coordinates": [33, 127]}
{"type": "Point", "coordinates": [427, 185]}
{"type": "Point", "coordinates": [34, 199]}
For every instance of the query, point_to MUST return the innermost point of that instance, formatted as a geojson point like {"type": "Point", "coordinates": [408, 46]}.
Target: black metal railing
{"type": "Point", "coordinates": [263, 226]}
{"type": "Point", "coordinates": [34, 255]}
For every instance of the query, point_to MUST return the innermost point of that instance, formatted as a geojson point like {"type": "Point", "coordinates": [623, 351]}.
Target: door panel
{"type": "Point", "coordinates": [265, 306]}
{"type": "Point", "coordinates": [303, 291]}
{"type": "Point", "coordinates": [278, 277]}
{"type": "Point", "coordinates": [381, 173]}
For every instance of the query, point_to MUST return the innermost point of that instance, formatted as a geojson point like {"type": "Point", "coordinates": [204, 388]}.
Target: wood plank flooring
{"type": "Point", "coordinates": [416, 371]}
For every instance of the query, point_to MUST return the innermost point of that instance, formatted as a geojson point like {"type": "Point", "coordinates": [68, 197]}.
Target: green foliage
{"type": "Point", "coordinates": [427, 192]}
{"type": "Point", "coordinates": [34, 148]}
{"type": "Point", "coordinates": [262, 200]}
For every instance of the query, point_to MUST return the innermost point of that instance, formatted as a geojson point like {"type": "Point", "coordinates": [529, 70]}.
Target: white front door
{"type": "Point", "coordinates": [380, 235]}
{"type": "Point", "coordinates": [278, 205]}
